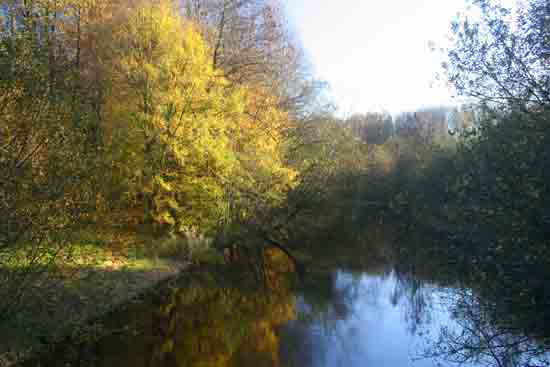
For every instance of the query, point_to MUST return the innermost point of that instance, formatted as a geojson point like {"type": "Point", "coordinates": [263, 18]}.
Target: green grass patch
{"type": "Point", "coordinates": [66, 284]}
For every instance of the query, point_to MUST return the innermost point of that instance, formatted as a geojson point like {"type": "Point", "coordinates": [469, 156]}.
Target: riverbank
{"type": "Point", "coordinates": [100, 277]}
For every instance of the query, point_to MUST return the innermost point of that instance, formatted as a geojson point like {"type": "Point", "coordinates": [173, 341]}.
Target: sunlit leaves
{"type": "Point", "coordinates": [176, 120]}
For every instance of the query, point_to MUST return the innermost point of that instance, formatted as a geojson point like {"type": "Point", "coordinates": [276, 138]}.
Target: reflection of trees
{"type": "Point", "coordinates": [298, 348]}
{"type": "Point", "coordinates": [230, 327]}
{"type": "Point", "coordinates": [478, 333]}
{"type": "Point", "coordinates": [479, 338]}
{"type": "Point", "coordinates": [207, 324]}
{"type": "Point", "coordinates": [199, 324]}
{"type": "Point", "coordinates": [492, 325]}
{"type": "Point", "coordinates": [321, 325]}
{"type": "Point", "coordinates": [327, 299]}
{"type": "Point", "coordinates": [416, 299]}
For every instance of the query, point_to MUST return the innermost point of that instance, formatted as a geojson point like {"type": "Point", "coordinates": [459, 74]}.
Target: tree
{"type": "Point", "coordinates": [185, 144]}
{"type": "Point", "coordinates": [252, 45]}
{"type": "Point", "coordinates": [42, 176]}
{"type": "Point", "coordinates": [501, 59]}
{"type": "Point", "coordinates": [373, 128]}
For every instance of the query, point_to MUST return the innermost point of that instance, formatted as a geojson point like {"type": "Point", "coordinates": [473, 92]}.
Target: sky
{"type": "Point", "coordinates": [375, 54]}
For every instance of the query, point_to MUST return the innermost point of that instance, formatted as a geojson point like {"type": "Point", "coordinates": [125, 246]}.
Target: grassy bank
{"type": "Point", "coordinates": [81, 282]}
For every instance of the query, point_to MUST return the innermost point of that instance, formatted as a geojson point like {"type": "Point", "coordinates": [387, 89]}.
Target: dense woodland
{"type": "Point", "coordinates": [155, 118]}
{"type": "Point", "coordinates": [195, 128]}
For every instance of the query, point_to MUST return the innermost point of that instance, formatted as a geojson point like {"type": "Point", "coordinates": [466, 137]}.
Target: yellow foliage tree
{"type": "Point", "coordinates": [180, 136]}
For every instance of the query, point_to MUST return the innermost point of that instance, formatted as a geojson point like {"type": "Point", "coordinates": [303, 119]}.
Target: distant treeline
{"type": "Point", "coordinates": [377, 127]}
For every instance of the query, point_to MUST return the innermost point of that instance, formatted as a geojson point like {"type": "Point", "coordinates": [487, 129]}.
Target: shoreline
{"type": "Point", "coordinates": [89, 304]}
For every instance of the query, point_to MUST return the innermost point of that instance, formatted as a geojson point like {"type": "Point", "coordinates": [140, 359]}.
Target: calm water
{"type": "Point", "coordinates": [343, 319]}
{"type": "Point", "coordinates": [383, 323]}
{"type": "Point", "coordinates": [414, 313]}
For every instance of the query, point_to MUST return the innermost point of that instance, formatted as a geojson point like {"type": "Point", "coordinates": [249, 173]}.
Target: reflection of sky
{"type": "Point", "coordinates": [375, 332]}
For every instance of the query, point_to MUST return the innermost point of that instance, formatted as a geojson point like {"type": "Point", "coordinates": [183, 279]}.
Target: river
{"type": "Point", "coordinates": [370, 315]}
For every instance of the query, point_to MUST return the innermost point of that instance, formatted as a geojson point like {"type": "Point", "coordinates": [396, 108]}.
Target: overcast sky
{"type": "Point", "coordinates": [375, 54]}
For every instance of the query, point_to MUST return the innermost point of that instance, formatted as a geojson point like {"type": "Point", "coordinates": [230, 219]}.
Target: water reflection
{"type": "Point", "coordinates": [478, 338]}
{"type": "Point", "coordinates": [203, 320]}
{"type": "Point", "coordinates": [384, 325]}
{"type": "Point", "coordinates": [366, 320]}
{"type": "Point", "coordinates": [379, 314]}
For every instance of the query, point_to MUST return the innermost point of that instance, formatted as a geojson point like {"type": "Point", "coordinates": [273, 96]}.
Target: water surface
{"type": "Point", "coordinates": [372, 316]}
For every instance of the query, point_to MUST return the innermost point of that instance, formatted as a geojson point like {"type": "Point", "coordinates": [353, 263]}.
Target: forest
{"type": "Point", "coordinates": [142, 137]}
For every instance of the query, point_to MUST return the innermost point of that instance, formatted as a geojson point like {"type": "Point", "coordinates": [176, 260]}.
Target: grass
{"type": "Point", "coordinates": [78, 282]}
